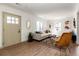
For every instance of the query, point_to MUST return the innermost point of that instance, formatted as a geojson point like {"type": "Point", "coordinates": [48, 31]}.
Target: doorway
{"type": "Point", "coordinates": [11, 29]}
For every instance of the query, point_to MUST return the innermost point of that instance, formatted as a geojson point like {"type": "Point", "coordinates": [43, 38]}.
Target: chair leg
{"type": "Point", "coordinates": [60, 52]}
{"type": "Point", "coordinates": [66, 52]}
{"type": "Point", "coordinates": [69, 50]}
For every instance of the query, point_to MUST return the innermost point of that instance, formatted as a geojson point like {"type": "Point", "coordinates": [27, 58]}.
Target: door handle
{"type": "Point", "coordinates": [19, 31]}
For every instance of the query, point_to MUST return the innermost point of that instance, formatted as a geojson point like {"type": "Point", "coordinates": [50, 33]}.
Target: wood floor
{"type": "Point", "coordinates": [35, 49]}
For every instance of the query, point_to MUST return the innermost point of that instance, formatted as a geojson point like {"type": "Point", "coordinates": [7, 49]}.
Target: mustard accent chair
{"type": "Point", "coordinates": [64, 40]}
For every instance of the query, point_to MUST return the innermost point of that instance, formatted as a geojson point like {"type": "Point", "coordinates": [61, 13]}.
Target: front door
{"type": "Point", "coordinates": [11, 29]}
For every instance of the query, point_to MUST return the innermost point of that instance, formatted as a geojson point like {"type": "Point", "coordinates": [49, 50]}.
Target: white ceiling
{"type": "Point", "coordinates": [48, 10]}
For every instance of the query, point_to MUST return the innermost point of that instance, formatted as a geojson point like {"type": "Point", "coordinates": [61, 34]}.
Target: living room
{"type": "Point", "coordinates": [43, 22]}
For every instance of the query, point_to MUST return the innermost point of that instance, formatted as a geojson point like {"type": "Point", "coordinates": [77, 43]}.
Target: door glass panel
{"type": "Point", "coordinates": [13, 20]}
{"type": "Point", "coordinates": [8, 19]}
{"type": "Point", "coordinates": [16, 20]}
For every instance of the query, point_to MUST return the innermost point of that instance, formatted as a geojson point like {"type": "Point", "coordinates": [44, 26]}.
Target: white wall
{"type": "Point", "coordinates": [24, 16]}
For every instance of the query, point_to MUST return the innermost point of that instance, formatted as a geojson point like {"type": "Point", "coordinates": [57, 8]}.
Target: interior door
{"type": "Point", "coordinates": [11, 29]}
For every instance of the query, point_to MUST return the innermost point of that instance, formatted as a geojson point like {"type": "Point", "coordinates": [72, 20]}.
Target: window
{"type": "Point", "coordinates": [57, 28]}
{"type": "Point", "coordinates": [38, 26]}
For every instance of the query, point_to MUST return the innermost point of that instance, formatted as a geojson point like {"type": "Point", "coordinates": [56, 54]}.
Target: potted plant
{"type": "Point", "coordinates": [30, 37]}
